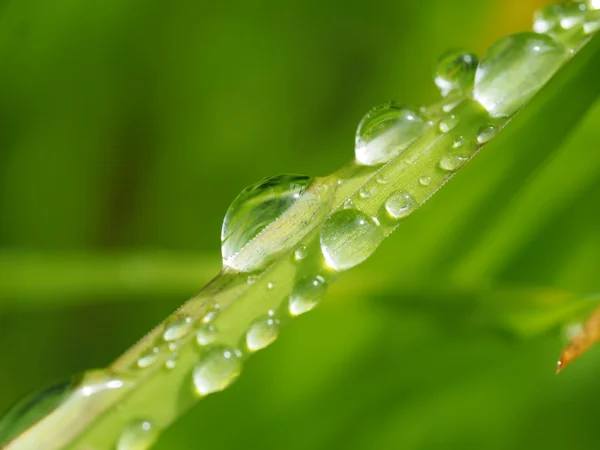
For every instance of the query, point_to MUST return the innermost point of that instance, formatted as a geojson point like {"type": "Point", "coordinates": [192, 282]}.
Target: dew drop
{"type": "Point", "coordinates": [206, 334]}
{"type": "Point", "coordinates": [348, 237]}
{"type": "Point", "coordinates": [425, 180]}
{"type": "Point", "coordinates": [139, 435]}
{"type": "Point", "coordinates": [593, 4]}
{"type": "Point", "coordinates": [261, 333]}
{"type": "Point", "coordinates": [385, 131]}
{"type": "Point", "coordinates": [514, 69]}
{"type": "Point", "coordinates": [216, 370]}
{"type": "Point", "coordinates": [270, 285]}
{"type": "Point", "coordinates": [211, 314]}
{"type": "Point", "coordinates": [178, 328]}
{"type": "Point", "coordinates": [33, 407]}
{"type": "Point", "coordinates": [300, 253]}
{"type": "Point", "coordinates": [572, 14]}
{"type": "Point", "coordinates": [364, 193]}
{"type": "Point", "coordinates": [486, 134]}
{"type": "Point", "coordinates": [400, 204]}
{"type": "Point", "coordinates": [458, 142]}
{"type": "Point", "coordinates": [256, 207]}
{"type": "Point", "coordinates": [547, 19]}
{"type": "Point", "coordinates": [455, 71]}
{"type": "Point", "coordinates": [448, 122]}
{"type": "Point", "coordinates": [451, 162]}
{"type": "Point", "coordinates": [306, 294]}
{"type": "Point", "coordinates": [171, 363]}
{"type": "Point", "coordinates": [381, 179]}
{"type": "Point", "coordinates": [148, 358]}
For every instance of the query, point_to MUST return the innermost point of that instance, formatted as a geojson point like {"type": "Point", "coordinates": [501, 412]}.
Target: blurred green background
{"type": "Point", "coordinates": [127, 127]}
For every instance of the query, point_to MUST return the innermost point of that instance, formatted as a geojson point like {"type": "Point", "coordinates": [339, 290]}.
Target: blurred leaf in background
{"type": "Point", "coordinates": [127, 129]}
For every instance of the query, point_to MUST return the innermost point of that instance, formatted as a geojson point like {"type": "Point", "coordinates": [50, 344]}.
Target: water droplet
{"type": "Point", "coordinates": [178, 328]}
{"type": "Point", "coordinates": [381, 179]}
{"type": "Point", "coordinates": [148, 358]}
{"type": "Point", "coordinates": [458, 142]}
{"type": "Point", "coordinates": [400, 204]}
{"type": "Point", "coordinates": [171, 362]}
{"type": "Point", "coordinates": [256, 207]}
{"type": "Point", "coordinates": [348, 204]}
{"type": "Point", "coordinates": [348, 237]}
{"type": "Point", "coordinates": [572, 15]}
{"type": "Point", "coordinates": [364, 193]}
{"type": "Point", "coordinates": [261, 333]}
{"type": "Point", "coordinates": [306, 294]}
{"type": "Point", "coordinates": [592, 22]}
{"type": "Point", "coordinates": [34, 407]}
{"type": "Point", "coordinates": [385, 132]}
{"type": "Point", "coordinates": [448, 122]}
{"type": "Point", "coordinates": [455, 71]}
{"type": "Point", "coordinates": [451, 162]}
{"type": "Point", "coordinates": [139, 435]}
{"type": "Point", "coordinates": [173, 346]}
{"type": "Point", "coordinates": [425, 180]}
{"type": "Point", "coordinates": [216, 370]}
{"type": "Point", "coordinates": [547, 19]}
{"type": "Point", "coordinates": [206, 334]}
{"type": "Point", "coordinates": [514, 69]}
{"type": "Point", "coordinates": [270, 285]}
{"type": "Point", "coordinates": [211, 314]}
{"type": "Point", "coordinates": [486, 134]}
{"type": "Point", "coordinates": [593, 4]}
{"type": "Point", "coordinates": [300, 253]}
{"type": "Point", "coordinates": [252, 279]}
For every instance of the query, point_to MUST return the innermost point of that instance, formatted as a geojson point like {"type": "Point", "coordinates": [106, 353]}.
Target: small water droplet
{"type": "Point", "coordinates": [458, 142]}
{"type": "Point", "coordinates": [348, 237]}
{"type": "Point", "coordinates": [300, 253]}
{"type": "Point", "coordinates": [592, 22]}
{"type": "Point", "coordinates": [364, 193]}
{"type": "Point", "coordinates": [455, 71]}
{"type": "Point", "coordinates": [139, 435]}
{"type": "Point", "coordinates": [547, 19]}
{"type": "Point", "coordinates": [400, 204]}
{"type": "Point", "coordinates": [425, 180]}
{"type": "Point", "coordinates": [256, 207]}
{"type": "Point", "coordinates": [148, 358]}
{"type": "Point", "coordinates": [381, 179]}
{"type": "Point", "coordinates": [572, 15]}
{"type": "Point", "coordinates": [252, 279]}
{"type": "Point", "coordinates": [385, 131]}
{"type": "Point", "coordinates": [171, 362]}
{"type": "Point", "coordinates": [306, 294]}
{"type": "Point", "coordinates": [178, 328]}
{"type": "Point", "coordinates": [348, 204]}
{"type": "Point", "coordinates": [270, 285]}
{"type": "Point", "coordinates": [514, 69]}
{"type": "Point", "coordinates": [173, 346]}
{"type": "Point", "coordinates": [261, 333]}
{"type": "Point", "coordinates": [211, 314]}
{"type": "Point", "coordinates": [206, 334]}
{"type": "Point", "coordinates": [216, 370]}
{"type": "Point", "coordinates": [448, 122]}
{"type": "Point", "coordinates": [451, 162]}
{"type": "Point", "coordinates": [486, 134]}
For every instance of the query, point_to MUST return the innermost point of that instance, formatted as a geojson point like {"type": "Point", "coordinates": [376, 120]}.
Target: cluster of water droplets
{"type": "Point", "coordinates": [510, 73]}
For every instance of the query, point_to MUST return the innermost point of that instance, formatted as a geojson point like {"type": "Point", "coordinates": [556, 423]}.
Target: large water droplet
{"type": "Point", "coordinates": [448, 122]}
{"type": "Point", "coordinates": [385, 131]}
{"type": "Point", "coordinates": [216, 370]}
{"type": "Point", "coordinates": [455, 71]}
{"type": "Point", "coordinates": [348, 237]}
{"type": "Point", "coordinates": [178, 328]}
{"type": "Point", "coordinates": [261, 333]}
{"type": "Point", "coordinates": [400, 204]}
{"type": "Point", "coordinates": [139, 435]}
{"type": "Point", "coordinates": [452, 162]}
{"type": "Point", "coordinates": [306, 294]}
{"type": "Point", "coordinates": [514, 69]}
{"type": "Point", "coordinates": [34, 407]}
{"type": "Point", "coordinates": [256, 207]}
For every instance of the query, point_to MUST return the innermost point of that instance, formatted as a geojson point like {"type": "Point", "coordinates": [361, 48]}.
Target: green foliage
{"type": "Point", "coordinates": [390, 358]}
